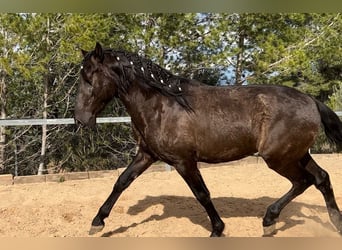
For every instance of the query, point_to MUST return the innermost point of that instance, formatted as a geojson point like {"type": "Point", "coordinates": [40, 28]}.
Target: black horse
{"type": "Point", "coordinates": [182, 121]}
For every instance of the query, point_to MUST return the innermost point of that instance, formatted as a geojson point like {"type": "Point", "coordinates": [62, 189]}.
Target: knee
{"type": "Point", "coordinates": [119, 186]}
{"type": "Point", "coordinates": [322, 181]}
{"type": "Point", "coordinates": [321, 178]}
{"type": "Point", "coordinates": [123, 182]}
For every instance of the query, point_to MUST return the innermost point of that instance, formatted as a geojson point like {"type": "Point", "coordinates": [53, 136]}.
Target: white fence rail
{"type": "Point", "coordinates": [66, 121]}
{"type": "Point", "coordinates": [32, 122]}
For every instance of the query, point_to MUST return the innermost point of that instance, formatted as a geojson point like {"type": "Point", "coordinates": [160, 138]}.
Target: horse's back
{"type": "Point", "coordinates": [243, 103]}
{"type": "Point", "coordinates": [229, 123]}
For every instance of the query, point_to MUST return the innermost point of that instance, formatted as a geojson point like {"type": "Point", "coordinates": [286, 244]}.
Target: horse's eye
{"type": "Point", "coordinates": [85, 77]}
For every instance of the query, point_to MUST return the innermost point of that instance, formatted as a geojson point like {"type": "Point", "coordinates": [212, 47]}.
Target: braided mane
{"type": "Point", "coordinates": [133, 66]}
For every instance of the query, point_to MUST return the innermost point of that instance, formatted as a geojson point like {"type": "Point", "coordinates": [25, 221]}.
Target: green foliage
{"type": "Point", "coordinates": [323, 146]}
{"type": "Point", "coordinates": [335, 100]}
{"type": "Point", "coordinates": [300, 50]}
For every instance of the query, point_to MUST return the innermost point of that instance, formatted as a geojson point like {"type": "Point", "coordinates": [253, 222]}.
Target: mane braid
{"type": "Point", "coordinates": [133, 66]}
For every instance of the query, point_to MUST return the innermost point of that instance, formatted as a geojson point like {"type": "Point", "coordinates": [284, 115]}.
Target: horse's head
{"type": "Point", "coordinates": [97, 85]}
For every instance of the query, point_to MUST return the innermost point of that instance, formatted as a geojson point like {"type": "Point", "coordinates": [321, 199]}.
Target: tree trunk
{"type": "Point", "coordinates": [41, 169]}
{"type": "Point", "coordinates": [2, 128]}
{"type": "Point", "coordinates": [239, 59]}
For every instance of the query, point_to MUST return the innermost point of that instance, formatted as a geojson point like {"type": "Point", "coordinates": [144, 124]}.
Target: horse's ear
{"type": "Point", "coordinates": [99, 52]}
{"type": "Point", "coordinates": [84, 52]}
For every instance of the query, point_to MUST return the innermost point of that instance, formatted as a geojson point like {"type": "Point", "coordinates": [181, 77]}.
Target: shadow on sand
{"type": "Point", "coordinates": [228, 207]}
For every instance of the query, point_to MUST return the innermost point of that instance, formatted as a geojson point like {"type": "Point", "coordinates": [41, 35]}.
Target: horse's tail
{"type": "Point", "coordinates": [331, 123]}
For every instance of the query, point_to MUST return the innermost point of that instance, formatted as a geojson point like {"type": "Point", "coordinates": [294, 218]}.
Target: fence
{"type": "Point", "coordinates": [64, 121]}
{"type": "Point", "coordinates": [32, 122]}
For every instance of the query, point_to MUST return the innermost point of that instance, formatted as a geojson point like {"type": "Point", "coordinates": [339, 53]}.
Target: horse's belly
{"type": "Point", "coordinates": [225, 150]}
{"type": "Point", "coordinates": [224, 155]}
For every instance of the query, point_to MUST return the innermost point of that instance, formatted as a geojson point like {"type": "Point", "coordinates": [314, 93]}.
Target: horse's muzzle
{"type": "Point", "coordinates": [80, 123]}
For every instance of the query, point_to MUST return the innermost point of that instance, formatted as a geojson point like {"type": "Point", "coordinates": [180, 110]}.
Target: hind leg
{"type": "Point", "coordinates": [323, 184]}
{"type": "Point", "coordinates": [299, 185]}
{"type": "Point", "coordinates": [297, 175]}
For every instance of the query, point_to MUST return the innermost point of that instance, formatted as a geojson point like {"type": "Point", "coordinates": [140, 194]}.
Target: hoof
{"type": "Point", "coordinates": [270, 230]}
{"type": "Point", "coordinates": [336, 219]}
{"type": "Point", "coordinates": [215, 234]}
{"type": "Point", "coordinates": [95, 229]}
{"type": "Point", "coordinates": [339, 229]}
{"type": "Point", "coordinates": [218, 229]}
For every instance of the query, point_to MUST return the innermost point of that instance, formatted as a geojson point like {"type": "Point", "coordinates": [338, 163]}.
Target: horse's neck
{"type": "Point", "coordinates": [137, 102]}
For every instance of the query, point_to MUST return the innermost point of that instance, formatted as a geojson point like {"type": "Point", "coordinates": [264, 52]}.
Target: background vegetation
{"type": "Point", "coordinates": [40, 61]}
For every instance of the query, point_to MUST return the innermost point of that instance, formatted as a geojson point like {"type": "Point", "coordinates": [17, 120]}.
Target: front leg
{"type": "Point", "coordinates": [139, 164]}
{"type": "Point", "coordinates": [192, 176]}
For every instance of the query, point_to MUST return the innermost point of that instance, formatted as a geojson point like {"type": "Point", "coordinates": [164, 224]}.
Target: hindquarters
{"type": "Point", "coordinates": [288, 126]}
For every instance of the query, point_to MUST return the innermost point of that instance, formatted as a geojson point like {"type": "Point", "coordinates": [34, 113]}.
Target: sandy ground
{"type": "Point", "coordinates": [159, 204]}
